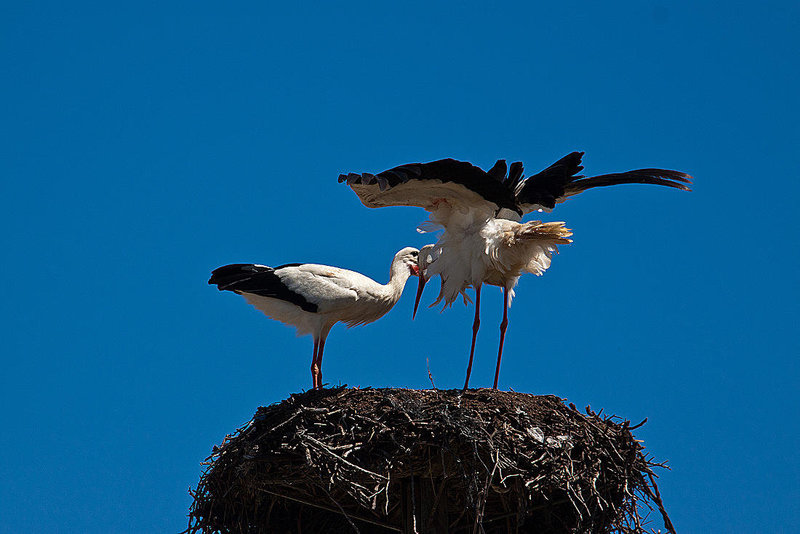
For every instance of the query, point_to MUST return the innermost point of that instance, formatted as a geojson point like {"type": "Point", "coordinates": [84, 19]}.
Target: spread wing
{"type": "Point", "coordinates": [561, 180]}
{"type": "Point", "coordinates": [426, 185]}
{"type": "Point", "coordinates": [459, 183]}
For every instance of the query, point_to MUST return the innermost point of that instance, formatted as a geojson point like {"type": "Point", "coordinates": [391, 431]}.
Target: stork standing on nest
{"type": "Point", "coordinates": [314, 297]}
{"type": "Point", "coordinates": [511, 249]}
{"type": "Point", "coordinates": [479, 211]}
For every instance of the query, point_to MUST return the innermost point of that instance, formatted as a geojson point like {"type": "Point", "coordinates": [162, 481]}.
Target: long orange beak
{"type": "Point", "coordinates": [420, 287]}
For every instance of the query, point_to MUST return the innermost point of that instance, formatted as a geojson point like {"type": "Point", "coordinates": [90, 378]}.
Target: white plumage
{"type": "Point", "coordinates": [313, 297]}
{"type": "Point", "coordinates": [478, 212]}
{"type": "Point", "coordinates": [495, 252]}
{"type": "Point", "coordinates": [475, 249]}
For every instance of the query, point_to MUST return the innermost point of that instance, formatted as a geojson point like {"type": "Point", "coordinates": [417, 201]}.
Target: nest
{"type": "Point", "coordinates": [397, 460]}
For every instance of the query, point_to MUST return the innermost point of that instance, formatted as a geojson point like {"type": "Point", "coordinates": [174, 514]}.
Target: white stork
{"type": "Point", "coordinates": [314, 297]}
{"type": "Point", "coordinates": [483, 240]}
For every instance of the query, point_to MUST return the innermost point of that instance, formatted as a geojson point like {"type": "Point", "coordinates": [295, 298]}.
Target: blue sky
{"type": "Point", "coordinates": [145, 144]}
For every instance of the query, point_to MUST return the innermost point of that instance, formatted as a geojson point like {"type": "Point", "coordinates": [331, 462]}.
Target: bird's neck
{"type": "Point", "coordinates": [398, 277]}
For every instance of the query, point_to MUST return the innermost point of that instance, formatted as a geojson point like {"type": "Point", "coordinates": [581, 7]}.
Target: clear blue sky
{"type": "Point", "coordinates": [145, 144]}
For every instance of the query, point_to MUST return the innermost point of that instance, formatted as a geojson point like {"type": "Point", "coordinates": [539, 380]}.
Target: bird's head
{"type": "Point", "coordinates": [408, 257]}
{"type": "Point", "coordinates": [425, 258]}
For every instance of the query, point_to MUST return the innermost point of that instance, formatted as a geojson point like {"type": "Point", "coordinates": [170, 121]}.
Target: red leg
{"type": "Point", "coordinates": [475, 325]}
{"type": "Point", "coordinates": [503, 327]}
{"type": "Point", "coordinates": [319, 362]}
{"type": "Point", "coordinates": [314, 366]}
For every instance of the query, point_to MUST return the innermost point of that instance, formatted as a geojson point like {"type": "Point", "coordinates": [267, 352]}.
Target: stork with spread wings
{"type": "Point", "coordinates": [483, 241]}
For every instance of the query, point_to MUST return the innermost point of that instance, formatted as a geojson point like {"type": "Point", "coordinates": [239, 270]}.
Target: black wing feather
{"type": "Point", "coordinates": [676, 179]}
{"type": "Point", "coordinates": [514, 175]}
{"type": "Point", "coordinates": [498, 170]}
{"type": "Point", "coordinates": [490, 186]}
{"type": "Point", "coordinates": [513, 191]}
{"type": "Point", "coordinates": [562, 180]}
{"type": "Point", "coordinates": [545, 187]}
{"type": "Point", "coordinates": [258, 280]}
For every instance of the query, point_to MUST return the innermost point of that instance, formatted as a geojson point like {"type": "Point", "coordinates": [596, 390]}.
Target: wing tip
{"type": "Point", "coordinates": [667, 174]}
{"type": "Point", "coordinates": [360, 179]}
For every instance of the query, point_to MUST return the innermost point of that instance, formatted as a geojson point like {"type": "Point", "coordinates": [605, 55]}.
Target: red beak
{"type": "Point", "coordinates": [420, 287]}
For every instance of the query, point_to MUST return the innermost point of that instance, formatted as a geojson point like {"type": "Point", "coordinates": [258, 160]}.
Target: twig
{"type": "Point", "coordinates": [430, 376]}
{"type": "Point", "coordinates": [334, 510]}
{"type": "Point", "coordinates": [657, 498]}
{"type": "Point", "coordinates": [325, 448]}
